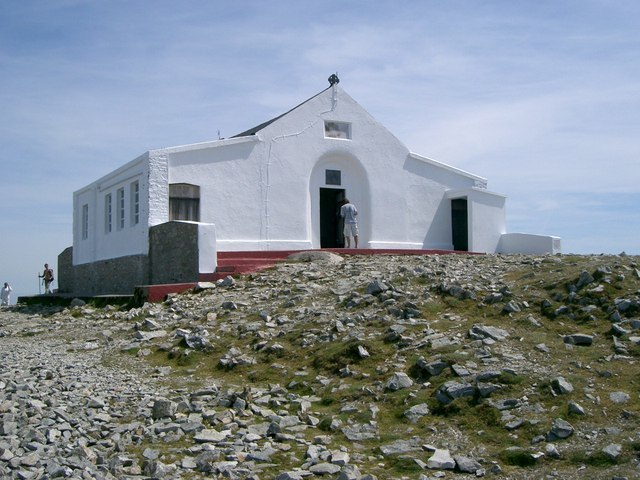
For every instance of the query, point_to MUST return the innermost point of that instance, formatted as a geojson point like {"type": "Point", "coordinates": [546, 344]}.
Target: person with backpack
{"type": "Point", "coordinates": [47, 278]}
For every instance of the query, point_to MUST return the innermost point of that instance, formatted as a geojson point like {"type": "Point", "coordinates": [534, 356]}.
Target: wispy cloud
{"type": "Point", "coordinates": [539, 97]}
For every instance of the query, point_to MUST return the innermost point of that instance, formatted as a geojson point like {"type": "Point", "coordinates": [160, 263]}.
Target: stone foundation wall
{"type": "Point", "coordinates": [173, 258]}
{"type": "Point", "coordinates": [113, 276]}
{"type": "Point", "coordinates": [173, 253]}
{"type": "Point", "coordinates": [64, 273]}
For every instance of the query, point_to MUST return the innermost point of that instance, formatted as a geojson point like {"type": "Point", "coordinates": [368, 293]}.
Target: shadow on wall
{"type": "Point", "coordinates": [439, 233]}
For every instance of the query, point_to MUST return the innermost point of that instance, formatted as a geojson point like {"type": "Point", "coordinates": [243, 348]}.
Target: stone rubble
{"type": "Point", "coordinates": [84, 396]}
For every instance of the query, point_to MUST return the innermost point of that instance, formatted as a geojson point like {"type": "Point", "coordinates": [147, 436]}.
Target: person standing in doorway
{"type": "Point", "coordinates": [47, 278]}
{"type": "Point", "coordinates": [349, 212]}
{"type": "Point", "coordinates": [5, 294]}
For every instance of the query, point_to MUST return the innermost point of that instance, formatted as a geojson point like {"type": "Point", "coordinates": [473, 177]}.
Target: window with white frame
{"type": "Point", "coordinates": [120, 207]}
{"type": "Point", "coordinates": [108, 213]}
{"type": "Point", "coordinates": [85, 221]}
{"type": "Point", "coordinates": [135, 203]}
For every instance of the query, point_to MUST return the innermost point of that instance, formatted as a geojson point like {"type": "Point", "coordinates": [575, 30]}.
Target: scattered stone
{"type": "Point", "coordinates": [77, 302]}
{"type": "Point", "coordinates": [576, 408]}
{"type": "Point", "coordinates": [612, 451]}
{"type": "Point", "coordinates": [441, 460]}
{"type": "Point", "coordinates": [416, 412]}
{"type": "Point", "coordinates": [559, 430]}
{"type": "Point", "coordinates": [82, 393]}
{"type": "Point", "coordinates": [467, 464]}
{"type": "Point", "coordinates": [479, 332]}
{"type": "Point", "coordinates": [316, 256]}
{"type": "Point", "coordinates": [451, 390]}
{"type": "Point", "coordinates": [398, 381]}
{"type": "Point", "coordinates": [561, 386]}
{"type": "Point", "coordinates": [619, 397]}
{"type": "Point", "coordinates": [579, 339]}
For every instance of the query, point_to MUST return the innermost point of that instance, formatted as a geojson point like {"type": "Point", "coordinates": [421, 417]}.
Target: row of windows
{"type": "Point", "coordinates": [120, 208]}
{"type": "Point", "coordinates": [115, 207]}
{"type": "Point", "coordinates": [184, 204]}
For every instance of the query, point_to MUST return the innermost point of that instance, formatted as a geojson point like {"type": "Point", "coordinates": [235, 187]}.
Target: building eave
{"type": "Point", "coordinates": [209, 144]}
{"type": "Point", "coordinates": [444, 166]}
{"type": "Point", "coordinates": [462, 192]}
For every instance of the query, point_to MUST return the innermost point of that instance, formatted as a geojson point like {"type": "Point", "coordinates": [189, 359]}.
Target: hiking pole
{"type": "Point", "coordinates": [39, 290]}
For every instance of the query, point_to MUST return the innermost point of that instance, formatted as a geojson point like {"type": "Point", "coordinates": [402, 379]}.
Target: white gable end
{"type": "Point", "coordinates": [278, 186]}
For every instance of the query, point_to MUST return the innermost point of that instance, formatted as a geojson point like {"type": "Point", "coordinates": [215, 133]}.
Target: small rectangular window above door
{"type": "Point", "coordinates": [333, 177]}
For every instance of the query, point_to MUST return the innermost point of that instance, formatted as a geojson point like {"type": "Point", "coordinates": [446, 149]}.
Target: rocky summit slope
{"type": "Point", "coordinates": [354, 367]}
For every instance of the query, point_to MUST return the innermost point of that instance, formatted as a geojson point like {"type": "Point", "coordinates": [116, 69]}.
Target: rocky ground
{"type": "Point", "coordinates": [354, 367]}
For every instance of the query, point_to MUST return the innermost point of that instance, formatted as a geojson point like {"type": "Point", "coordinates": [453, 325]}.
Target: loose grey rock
{"type": "Point", "coordinates": [163, 408]}
{"type": "Point", "coordinates": [316, 256]}
{"type": "Point", "coordinates": [511, 307]}
{"type": "Point", "coordinates": [376, 287]}
{"type": "Point", "coordinates": [467, 464]}
{"type": "Point", "coordinates": [580, 339]}
{"type": "Point", "coordinates": [612, 451]}
{"type": "Point", "coordinates": [551, 451]}
{"type": "Point", "coordinates": [361, 432]}
{"type": "Point", "coordinates": [619, 397]}
{"type": "Point", "coordinates": [77, 302]}
{"type": "Point", "coordinates": [484, 331]}
{"type": "Point", "coordinates": [416, 412]}
{"type": "Point", "coordinates": [433, 368]}
{"type": "Point", "coordinates": [441, 460]}
{"type": "Point", "coordinates": [560, 429]}
{"type": "Point", "coordinates": [561, 386]}
{"type": "Point", "coordinates": [324, 469]}
{"type": "Point", "coordinates": [585, 278]}
{"type": "Point", "coordinates": [451, 390]}
{"type": "Point", "coordinates": [398, 381]}
{"type": "Point", "coordinates": [576, 409]}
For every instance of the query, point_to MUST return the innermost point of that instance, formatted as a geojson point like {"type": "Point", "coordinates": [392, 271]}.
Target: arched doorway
{"type": "Point", "coordinates": [337, 176]}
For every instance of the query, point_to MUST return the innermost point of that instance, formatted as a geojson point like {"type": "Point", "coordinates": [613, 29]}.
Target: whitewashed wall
{"type": "Point", "coordinates": [131, 239]}
{"type": "Point", "coordinates": [529, 243]}
{"type": "Point", "coordinates": [262, 191]}
{"type": "Point", "coordinates": [486, 218]}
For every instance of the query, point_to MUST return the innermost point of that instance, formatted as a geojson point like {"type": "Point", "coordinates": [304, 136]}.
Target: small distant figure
{"type": "Point", "coordinates": [47, 278]}
{"type": "Point", "coordinates": [349, 212]}
{"type": "Point", "coordinates": [5, 294]}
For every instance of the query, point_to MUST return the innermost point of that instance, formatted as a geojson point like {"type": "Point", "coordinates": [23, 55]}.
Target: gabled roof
{"type": "Point", "coordinates": [256, 129]}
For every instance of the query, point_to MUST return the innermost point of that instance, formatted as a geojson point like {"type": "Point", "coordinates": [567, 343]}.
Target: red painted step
{"type": "Point", "coordinates": [239, 262]}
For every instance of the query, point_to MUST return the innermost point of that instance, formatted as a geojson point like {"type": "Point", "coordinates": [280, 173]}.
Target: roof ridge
{"type": "Point", "coordinates": [256, 129]}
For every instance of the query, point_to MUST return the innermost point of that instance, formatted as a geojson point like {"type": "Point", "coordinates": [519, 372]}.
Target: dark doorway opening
{"type": "Point", "coordinates": [459, 224]}
{"type": "Point", "coordinates": [331, 235]}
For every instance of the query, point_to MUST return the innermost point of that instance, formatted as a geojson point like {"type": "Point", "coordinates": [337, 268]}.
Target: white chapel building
{"type": "Point", "coordinates": [162, 217]}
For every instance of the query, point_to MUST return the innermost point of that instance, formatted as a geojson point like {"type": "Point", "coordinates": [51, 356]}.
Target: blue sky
{"type": "Point", "coordinates": [540, 97]}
